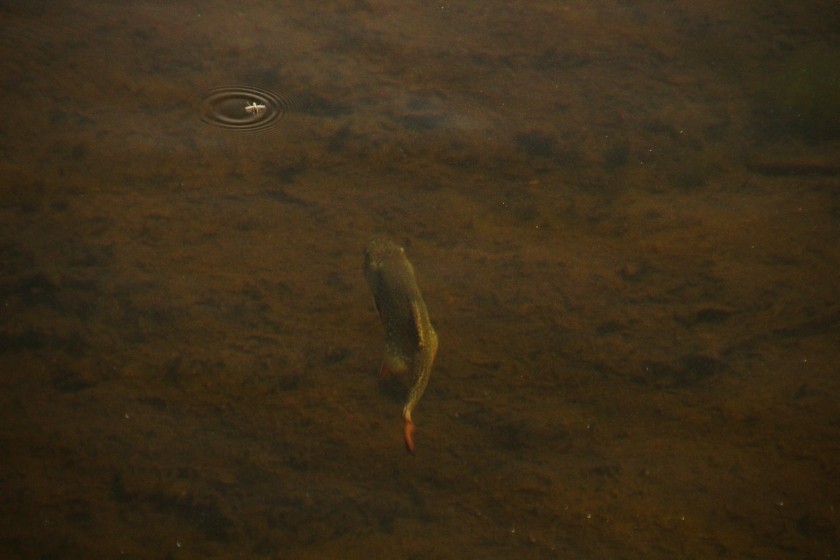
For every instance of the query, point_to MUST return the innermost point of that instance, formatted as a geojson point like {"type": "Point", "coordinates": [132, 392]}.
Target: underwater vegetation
{"type": "Point", "coordinates": [800, 97]}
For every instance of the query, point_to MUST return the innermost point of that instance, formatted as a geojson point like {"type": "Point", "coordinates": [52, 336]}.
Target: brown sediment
{"type": "Point", "coordinates": [643, 343]}
{"type": "Point", "coordinates": [793, 167]}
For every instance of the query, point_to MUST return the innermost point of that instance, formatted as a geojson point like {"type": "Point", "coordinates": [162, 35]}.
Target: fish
{"type": "Point", "coordinates": [411, 342]}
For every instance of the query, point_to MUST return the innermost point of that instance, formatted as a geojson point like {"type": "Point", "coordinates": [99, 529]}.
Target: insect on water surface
{"type": "Point", "coordinates": [255, 108]}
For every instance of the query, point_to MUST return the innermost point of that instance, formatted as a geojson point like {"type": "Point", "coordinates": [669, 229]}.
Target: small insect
{"type": "Point", "coordinates": [255, 108]}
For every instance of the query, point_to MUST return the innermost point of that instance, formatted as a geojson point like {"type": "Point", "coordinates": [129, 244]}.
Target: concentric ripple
{"type": "Point", "coordinates": [243, 108]}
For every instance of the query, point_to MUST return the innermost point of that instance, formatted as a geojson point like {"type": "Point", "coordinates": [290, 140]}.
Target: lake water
{"type": "Point", "coordinates": [624, 218]}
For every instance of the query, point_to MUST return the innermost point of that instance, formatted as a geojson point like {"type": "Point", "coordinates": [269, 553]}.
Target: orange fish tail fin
{"type": "Point", "coordinates": [409, 435]}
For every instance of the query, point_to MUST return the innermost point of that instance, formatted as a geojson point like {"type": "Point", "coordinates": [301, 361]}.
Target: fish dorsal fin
{"type": "Point", "coordinates": [417, 324]}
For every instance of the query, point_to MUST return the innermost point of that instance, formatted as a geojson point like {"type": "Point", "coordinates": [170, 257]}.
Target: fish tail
{"type": "Point", "coordinates": [409, 431]}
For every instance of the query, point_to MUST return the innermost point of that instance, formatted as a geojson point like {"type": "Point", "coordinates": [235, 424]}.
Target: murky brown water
{"type": "Point", "coordinates": [624, 216]}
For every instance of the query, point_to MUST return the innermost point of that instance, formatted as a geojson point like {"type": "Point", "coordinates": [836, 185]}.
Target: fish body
{"type": "Point", "coordinates": [410, 340]}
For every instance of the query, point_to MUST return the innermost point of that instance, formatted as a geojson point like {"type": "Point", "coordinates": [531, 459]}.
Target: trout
{"type": "Point", "coordinates": [410, 341]}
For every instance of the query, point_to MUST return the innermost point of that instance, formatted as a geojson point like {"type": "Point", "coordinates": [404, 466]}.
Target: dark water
{"type": "Point", "coordinates": [624, 216]}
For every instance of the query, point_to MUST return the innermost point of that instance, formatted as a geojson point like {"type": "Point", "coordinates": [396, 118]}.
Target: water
{"type": "Point", "coordinates": [623, 218]}
{"type": "Point", "coordinates": [243, 108]}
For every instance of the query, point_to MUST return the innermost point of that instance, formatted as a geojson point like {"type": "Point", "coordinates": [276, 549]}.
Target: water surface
{"type": "Point", "coordinates": [623, 217]}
